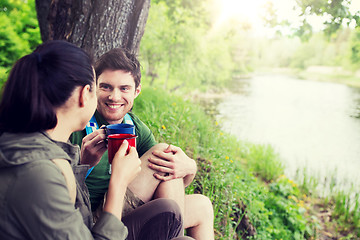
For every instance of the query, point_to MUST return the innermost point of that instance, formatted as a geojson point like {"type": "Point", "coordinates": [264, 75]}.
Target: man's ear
{"type": "Point", "coordinates": [84, 95]}
{"type": "Point", "coordinates": [137, 90]}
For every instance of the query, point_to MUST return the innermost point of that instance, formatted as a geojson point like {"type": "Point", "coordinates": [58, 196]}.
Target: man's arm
{"type": "Point", "coordinates": [164, 158]}
{"type": "Point", "coordinates": [175, 165]}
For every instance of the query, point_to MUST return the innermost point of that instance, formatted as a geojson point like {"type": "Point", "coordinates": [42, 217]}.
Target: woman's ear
{"type": "Point", "coordinates": [84, 95]}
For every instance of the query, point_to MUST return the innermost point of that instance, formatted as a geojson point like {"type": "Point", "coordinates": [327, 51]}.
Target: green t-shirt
{"type": "Point", "coordinates": [98, 180]}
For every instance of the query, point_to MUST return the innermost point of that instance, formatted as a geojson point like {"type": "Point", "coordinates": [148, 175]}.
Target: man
{"type": "Point", "coordinates": [166, 169]}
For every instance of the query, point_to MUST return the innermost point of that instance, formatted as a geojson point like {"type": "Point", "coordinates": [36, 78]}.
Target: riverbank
{"type": "Point", "coordinates": [320, 73]}
{"type": "Point", "coordinates": [251, 196]}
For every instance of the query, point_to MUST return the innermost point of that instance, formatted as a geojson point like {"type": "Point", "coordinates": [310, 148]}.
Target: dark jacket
{"type": "Point", "coordinates": [34, 199]}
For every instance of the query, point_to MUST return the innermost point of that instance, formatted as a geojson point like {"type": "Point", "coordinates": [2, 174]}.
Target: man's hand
{"type": "Point", "coordinates": [93, 147]}
{"type": "Point", "coordinates": [174, 163]}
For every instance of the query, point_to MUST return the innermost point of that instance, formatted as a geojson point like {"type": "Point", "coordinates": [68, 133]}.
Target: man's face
{"type": "Point", "coordinates": [116, 93]}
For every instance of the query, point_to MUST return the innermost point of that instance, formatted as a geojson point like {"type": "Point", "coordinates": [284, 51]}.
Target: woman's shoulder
{"type": "Point", "coordinates": [35, 184]}
{"type": "Point", "coordinates": [38, 174]}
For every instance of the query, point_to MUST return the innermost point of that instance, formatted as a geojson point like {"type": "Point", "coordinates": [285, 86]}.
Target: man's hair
{"type": "Point", "coordinates": [119, 59]}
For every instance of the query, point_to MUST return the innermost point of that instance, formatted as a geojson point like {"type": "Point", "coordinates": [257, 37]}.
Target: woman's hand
{"type": "Point", "coordinates": [126, 165]}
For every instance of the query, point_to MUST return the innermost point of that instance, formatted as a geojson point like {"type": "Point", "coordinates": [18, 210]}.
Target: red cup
{"type": "Point", "coordinates": [114, 142]}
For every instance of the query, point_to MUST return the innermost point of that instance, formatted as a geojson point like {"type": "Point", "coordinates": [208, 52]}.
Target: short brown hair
{"type": "Point", "coordinates": [119, 59]}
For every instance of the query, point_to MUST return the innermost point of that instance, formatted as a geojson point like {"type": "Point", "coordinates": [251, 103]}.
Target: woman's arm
{"type": "Point", "coordinates": [42, 209]}
{"type": "Point", "coordinates": [124, 168]}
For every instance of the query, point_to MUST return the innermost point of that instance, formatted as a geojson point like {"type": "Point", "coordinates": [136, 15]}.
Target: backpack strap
{"type": "Point", "coordinates": [92, 125]}
{"type": "Point", "coordinates": [128, 120]}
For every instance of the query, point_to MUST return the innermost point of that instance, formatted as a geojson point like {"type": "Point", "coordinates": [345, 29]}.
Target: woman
{"type": "Point", "coordinates": [50, 94]}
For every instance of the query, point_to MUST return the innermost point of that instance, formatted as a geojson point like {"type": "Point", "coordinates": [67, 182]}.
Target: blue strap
{"type": "Point", "coordinates": [88, 172]}
{"type": "Point", "coordinates": [128, 120]}
{"type": "Point", "coordinates": [90, 127]}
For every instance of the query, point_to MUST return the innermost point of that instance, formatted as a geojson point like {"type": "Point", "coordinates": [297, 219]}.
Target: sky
{"type": "Point", "coordinates": [250, 11]}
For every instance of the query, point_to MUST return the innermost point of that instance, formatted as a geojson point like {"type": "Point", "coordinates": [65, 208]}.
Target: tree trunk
{"type": "Point", "coordinates": [94, 25]}
{"type": "Point", "coordinates": [42, 10]}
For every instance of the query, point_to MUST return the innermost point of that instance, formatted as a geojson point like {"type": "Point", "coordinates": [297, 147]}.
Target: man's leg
{"type": "Point", "coordinates": [183, 238]}
{"type": "Point", "coordinates": [147, 187]}
{"type": "Point", "coordinates": [196, 208]}
{"type": "Point", "coordinates": [199, 217]}
{"type": "Point", "coordinates": [145, 184]}
{"type": "Point", "coordinates": [158, 219]}
{"type": "Point", "coordinates": [173, 189]}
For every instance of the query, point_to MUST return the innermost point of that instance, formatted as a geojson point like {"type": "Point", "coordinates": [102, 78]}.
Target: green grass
{"type": "Point", "coordinates": [244, 181]}
{"type": "Point", "coordinates": [342, 202]}
{"type": "Point", "coordinates": [350, 79]}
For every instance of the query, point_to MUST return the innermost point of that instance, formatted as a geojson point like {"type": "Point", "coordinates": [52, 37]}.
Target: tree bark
{"type": "Point", "coordinates": [42, 10]}
{"type": "Point", "coordinates": [94, 25]}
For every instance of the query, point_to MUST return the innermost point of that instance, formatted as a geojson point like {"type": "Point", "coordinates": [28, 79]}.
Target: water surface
{"type": "Point", "coordinates": [310, 124]}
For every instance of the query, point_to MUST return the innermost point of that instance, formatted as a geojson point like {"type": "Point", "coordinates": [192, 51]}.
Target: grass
{"type": "Point", "coordinates": [340, 202]}
{"type": "Point", "coordinates": [349, 80]}
{"type": "Point", "coordinates": [252, 198]}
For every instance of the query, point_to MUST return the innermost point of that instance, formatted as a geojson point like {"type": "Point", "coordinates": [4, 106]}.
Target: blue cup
{"type": "Point", "coordinates": [120, 128]}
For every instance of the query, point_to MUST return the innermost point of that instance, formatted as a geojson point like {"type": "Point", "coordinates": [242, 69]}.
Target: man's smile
{"type": "Point", "coordinates": [114, 106]}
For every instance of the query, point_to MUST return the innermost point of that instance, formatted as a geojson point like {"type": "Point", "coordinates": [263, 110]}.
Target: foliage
{"type": "Point", "coordinates": [336, 12]}
{"type": "Point", "coordinates": [355, 48]}
{"type": "Point", "coordinates": [19, 32]}
{"type": "Point", "coordinates": [181, 53]}
{"type": "Point", "coordinates": [335, 15]}
{"type": "Point", "coordinates": [288, 209]}
{"type": "Point", "coordinates": [347, 210]}
{"type": "Point", "coordinates": [263, 160]}
{"type": "Point", "coordinates": [11, 44]}
{"type": "Point", "coordinates": [340, 50]}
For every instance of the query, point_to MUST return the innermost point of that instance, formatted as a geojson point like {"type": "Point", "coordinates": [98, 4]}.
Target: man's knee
{"type": "Point", "coordinates": [167, 206]}
{"type": "Point", "coordinates": [159, 147]}
{"type": "Point", "coordinates": [207, 205]}
{"type": "Point", "coordinates": [183, 238]}
{"type": "Point", "coordinates": [201, 203]}
{"type": "Point", "coordinates": [166, 222]}
{"type": "Point", "coordinates": [149, 153]}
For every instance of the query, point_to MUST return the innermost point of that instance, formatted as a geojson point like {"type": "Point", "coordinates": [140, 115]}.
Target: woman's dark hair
{"type": "Point", "coordinates": [40, 82]}
{"type": "Point", "coordinates": [119, 59]}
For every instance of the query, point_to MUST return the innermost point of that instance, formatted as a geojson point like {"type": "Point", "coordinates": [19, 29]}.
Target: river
{"type": "Point", "coordinates": [310, 124]}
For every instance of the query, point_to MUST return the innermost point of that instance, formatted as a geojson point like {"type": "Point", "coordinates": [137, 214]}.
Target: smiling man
{"type": "Point", "coordinates": [166, 169]}
{"type": "Point", "coordinates": [116, 94]}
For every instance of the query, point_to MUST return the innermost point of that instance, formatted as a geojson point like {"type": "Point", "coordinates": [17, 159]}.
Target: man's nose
{"type": "Point", "coordinates": [115, 95]}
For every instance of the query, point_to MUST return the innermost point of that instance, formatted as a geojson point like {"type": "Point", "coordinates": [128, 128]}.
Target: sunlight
{"type": "Point", "coordinates": [244, 12]}
{"type": "Point", "coordinates": [251, 13]}
{"type": "Point", "coordinates": [240, 10]}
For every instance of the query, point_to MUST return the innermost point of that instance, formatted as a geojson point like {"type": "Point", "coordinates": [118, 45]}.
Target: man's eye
{"type": "Point", "coordinates": [124, 89]}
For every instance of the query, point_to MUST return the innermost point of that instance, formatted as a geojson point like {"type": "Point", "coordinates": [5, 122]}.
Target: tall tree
{"type": "Point", "coordinates": [94, 25]}
{"type": "Point", "coordinates": [336, 11]}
